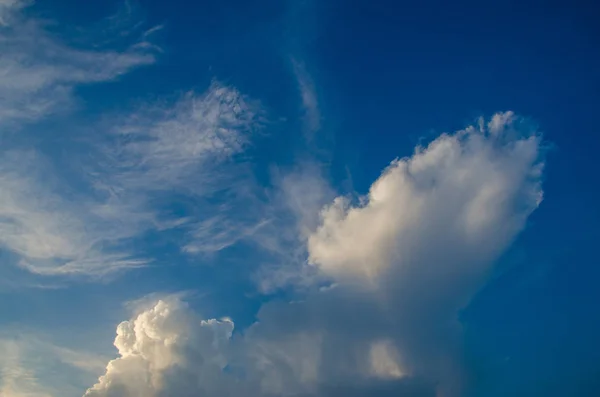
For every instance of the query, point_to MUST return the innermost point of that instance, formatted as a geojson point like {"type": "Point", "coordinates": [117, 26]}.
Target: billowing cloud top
{"type": "Point", "coordinates": [165, 350]}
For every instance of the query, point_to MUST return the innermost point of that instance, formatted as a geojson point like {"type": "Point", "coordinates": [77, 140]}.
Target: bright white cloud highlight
{"type": "Point", "coordinates": [157, 350]}
{"type": "Point", "coordinates": [467, 193]}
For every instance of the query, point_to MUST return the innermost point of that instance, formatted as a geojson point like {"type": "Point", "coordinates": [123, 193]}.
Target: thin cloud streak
{"type": "Point", "coordinates": [38, 71]}
{"type": "Point", "coordinates": [308, 94]}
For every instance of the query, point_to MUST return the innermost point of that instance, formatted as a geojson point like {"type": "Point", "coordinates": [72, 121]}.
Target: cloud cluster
{"type": "Point", "coordinates": [158, 147]}
{"type": "Point", "coordinates": [405, 259]}
{"type": "Point", "coordinates": [381, 277]}
{"type": "Point", "coordinates": [423, 240]}
{"type": "Point", "coordinates": [166, 350]}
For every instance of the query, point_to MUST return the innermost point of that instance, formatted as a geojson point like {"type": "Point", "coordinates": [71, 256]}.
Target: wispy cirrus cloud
{"type": "Point", "coordinates": [188, 151]}
{"type": "Point", "coordinates": [58, 225]}
{"type": "Point", "coordinates": [50, 228]}
{"type": "Point", "coordinates": [144, 160]}
{"type": "Point", "coordinates": [138, 165]}
{"type": "Point", "coordinates": [38, 70]}
{"type": "Point", "coordinates": [308, 95]}
{"type": "Point", "coordinates": [161, 147]}
{"type": "Point", "coordinates": [167, 337]}
{"type": "Point", "coordinates": [32, 366]}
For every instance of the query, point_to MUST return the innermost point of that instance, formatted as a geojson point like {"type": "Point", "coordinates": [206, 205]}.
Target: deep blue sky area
{"type": "Point", "coordinates": [388, 75]}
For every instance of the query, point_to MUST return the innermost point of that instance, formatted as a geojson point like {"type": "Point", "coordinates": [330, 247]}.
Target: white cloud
{"type": "Point", "coordinates": [406, 258]}
{"type": "Point", "coordinates": [158, 347]}
{"type": "Point", "coordinates": [38, 72]}
{"type": "Point", "coordinates": [425, 237]}
{"type": "Point", "coordinates": [189, 148]}
{"type": "Point", "coordinates": [53, 234]}
{"type": "Point", "coordinates": [183, 148]}
{"type": "Point", "coordinates": [159, 147]}
{"type": "Point", "coordinates": [470, 192]}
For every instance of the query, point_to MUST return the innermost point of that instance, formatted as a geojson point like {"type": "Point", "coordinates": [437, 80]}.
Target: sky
{"type": "Point", "coordinates": [299, 198]}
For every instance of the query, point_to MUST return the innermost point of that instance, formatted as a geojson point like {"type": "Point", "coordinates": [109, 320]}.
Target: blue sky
{"type": "Point", "coordinates": [298, 198]}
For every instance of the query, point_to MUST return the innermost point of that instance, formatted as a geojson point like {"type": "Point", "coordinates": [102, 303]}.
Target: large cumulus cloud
{"type": "Point", "coordinates": [402, 261]}
{"type": "Point", "coordinates": [159, 348]}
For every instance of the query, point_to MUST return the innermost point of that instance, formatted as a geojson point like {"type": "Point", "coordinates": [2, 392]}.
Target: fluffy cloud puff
{"type": "Point", "coordinates": [469, 191]}
{"type": "Point", "coordinates": [158, 350]}
{"type": "Point", "coordinates": [425, 237]}
{"type": "Point", "coordinates": [405, 259]}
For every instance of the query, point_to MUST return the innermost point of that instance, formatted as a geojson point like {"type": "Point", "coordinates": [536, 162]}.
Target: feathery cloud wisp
{"type": "Point", "coordinates": [38, 71]}
{"type": "Point", "coordinates": [155, 152]}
